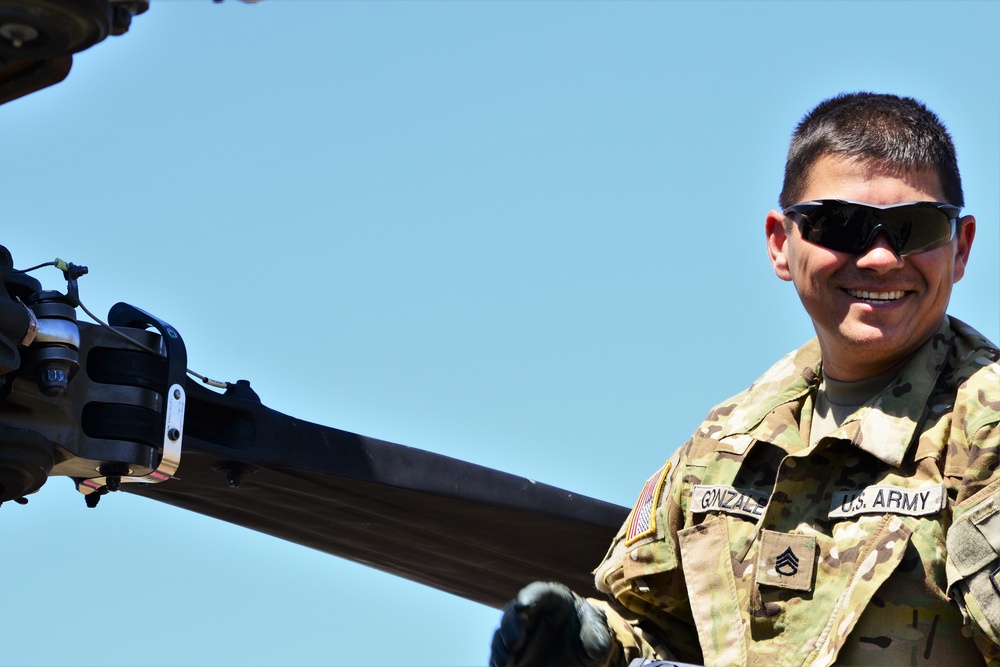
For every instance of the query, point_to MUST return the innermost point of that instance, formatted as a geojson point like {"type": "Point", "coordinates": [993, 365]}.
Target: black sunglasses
{"type": "Point", "coordinates": [849, 226]}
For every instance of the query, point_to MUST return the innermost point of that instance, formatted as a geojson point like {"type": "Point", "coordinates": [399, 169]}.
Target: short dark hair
{"type": "Point", "coordinates": [897, 131]}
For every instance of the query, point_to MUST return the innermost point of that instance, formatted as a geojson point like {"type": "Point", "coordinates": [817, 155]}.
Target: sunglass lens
{"type": "Point", "coordinates": [839, 227]}
{"type": "Point", "coordinates": [849, 227]}
{"type": "Point", "coordinates": [918, 229]}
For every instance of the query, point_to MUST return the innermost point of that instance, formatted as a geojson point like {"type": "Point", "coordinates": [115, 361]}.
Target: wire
{"type": "Point", "coordinates": [119, 333]}
{"type": "Point", "coordinates": [63, 266]}
{"type": "Point", "coordinates": [205, 380]}
{"type": "Point", "coordinates": [34, 267]}
{"type": "Point", "coordinates": [209, 381]}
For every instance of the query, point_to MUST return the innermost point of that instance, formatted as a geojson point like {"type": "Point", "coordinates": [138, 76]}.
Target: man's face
{"type": "Point", "coordinates": [874, 310]}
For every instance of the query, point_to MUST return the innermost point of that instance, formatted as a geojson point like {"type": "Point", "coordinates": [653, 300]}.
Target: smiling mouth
{"type": "Point", "coordinates": [876, 297]}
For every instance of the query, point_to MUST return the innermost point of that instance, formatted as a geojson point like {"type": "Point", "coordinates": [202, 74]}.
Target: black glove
{"type": "Point", "coordinates": [548, 625]}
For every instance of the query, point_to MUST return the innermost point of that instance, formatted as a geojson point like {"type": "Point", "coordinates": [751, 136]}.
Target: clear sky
{"type": "Point", "coordinates": [524, 234]}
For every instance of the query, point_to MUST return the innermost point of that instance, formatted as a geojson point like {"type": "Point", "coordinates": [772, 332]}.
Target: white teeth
{"type": "Point", "coordinates": [876, 297]}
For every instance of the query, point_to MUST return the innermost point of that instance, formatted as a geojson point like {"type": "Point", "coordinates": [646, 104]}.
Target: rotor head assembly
{"type": "Point", "coordinates": [39, 37]}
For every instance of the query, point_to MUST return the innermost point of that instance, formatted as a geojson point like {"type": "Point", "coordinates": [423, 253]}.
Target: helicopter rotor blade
{"type": "Point", "coordinates": [473, 531]}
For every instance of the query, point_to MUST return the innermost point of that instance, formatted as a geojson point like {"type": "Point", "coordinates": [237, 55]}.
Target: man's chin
{"type": "Point", "coordinates": [877, 346]}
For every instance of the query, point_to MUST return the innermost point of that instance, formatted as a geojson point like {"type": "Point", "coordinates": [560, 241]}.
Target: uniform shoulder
{"type": "Point", "coordinates": [974, 370]}
{"type": "Point", "coordinates": [789, 378]}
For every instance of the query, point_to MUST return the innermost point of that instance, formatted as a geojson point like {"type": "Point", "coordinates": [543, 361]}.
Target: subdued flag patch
{"type": "Point", "coordinates": [643, 521]}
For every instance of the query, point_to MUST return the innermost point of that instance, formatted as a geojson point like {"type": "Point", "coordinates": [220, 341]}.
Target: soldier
{"type": "Point", "coordinates": [846, 507]}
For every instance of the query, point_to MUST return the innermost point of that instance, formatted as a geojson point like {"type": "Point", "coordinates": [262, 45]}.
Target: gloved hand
{"type": "Point", "coordinates": [548, 625]}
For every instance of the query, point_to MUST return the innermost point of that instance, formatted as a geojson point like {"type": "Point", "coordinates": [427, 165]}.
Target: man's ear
{"type": "Point", "coordinates": [966, 233]}
{"type": "Point", "coordinates": [777, 244]}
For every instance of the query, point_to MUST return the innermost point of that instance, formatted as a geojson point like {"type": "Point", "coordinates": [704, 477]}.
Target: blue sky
{"type": "Point", "coordinates": [524, 234]}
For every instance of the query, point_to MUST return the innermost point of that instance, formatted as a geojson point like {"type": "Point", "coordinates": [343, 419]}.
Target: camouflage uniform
{"type": "Point", "coordinates": [752, 547]}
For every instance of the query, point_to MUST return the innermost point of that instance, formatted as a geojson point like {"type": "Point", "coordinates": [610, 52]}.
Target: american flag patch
{"type": "Point", "coordinates": [643, 521]}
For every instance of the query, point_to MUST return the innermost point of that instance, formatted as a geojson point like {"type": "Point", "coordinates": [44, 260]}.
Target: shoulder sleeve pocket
{"type": "Point", "coordinates": [973, 563]}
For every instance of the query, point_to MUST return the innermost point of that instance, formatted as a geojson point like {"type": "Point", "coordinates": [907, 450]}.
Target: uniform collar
{"type": "Point", "coordinates": [885, 427]}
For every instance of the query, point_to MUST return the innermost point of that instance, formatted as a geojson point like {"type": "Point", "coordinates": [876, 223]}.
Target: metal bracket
{"type": "Point", "coordinates": [124, 315]}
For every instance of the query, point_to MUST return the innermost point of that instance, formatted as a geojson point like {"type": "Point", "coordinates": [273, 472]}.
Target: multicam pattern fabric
{"type": "Point", "coordinates": [858, 566]}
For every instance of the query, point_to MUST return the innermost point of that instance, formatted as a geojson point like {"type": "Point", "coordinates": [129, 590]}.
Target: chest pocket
{"type": "Point", "coordinates": [973, 564]}
{"type": "Point", "coordinates": [730, 606]}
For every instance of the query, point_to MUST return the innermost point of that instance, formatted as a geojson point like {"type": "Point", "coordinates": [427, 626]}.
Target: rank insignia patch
{"type": "Point", "coordinates": [643, 520]}
{"type": "Point", "coordinates": [786, 560]}
{"type": "Point", "coordinates": [787, 563]}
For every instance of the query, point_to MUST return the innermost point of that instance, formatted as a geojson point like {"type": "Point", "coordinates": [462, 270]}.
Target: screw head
{"type": "Point", "coordinates": [18, 33]}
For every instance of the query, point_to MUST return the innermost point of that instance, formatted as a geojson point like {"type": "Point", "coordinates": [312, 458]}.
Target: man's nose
{"type": "Point", "coordinates": [879, 256]}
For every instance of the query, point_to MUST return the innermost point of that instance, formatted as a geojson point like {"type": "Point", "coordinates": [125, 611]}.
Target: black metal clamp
{"type": "Point", "coordinates": [125, 315]}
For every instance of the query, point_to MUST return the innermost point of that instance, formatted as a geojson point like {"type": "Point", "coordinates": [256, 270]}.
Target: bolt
{"type": "Point", "coordinates": [173, 434]}
{"type": "Point", "coordinates": [177, 394]}
{"type": "Point", "coordinates": [235, 477]}
{"type": "Point", "coordinates": [114, 482]}
{"type": "Point", "coordinates": [18, 33]}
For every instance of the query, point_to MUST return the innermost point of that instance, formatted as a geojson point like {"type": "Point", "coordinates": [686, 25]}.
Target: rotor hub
{"type": "Point", "coordinates": [26, 458]}
{"type": "Point", "coordinates": [44, 29]}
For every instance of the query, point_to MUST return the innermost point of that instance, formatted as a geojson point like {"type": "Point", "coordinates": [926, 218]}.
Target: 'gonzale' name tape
{"type": "Point", "coordinates": [720, 498]}
{"type": "Point", "coordinates": [888, 499]}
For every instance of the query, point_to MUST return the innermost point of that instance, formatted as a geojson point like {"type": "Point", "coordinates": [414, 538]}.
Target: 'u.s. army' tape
{"type": "Point", "coordinates": [888, 499]}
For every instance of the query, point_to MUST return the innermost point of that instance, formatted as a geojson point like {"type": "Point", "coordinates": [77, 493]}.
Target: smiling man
{"type": "Point", "coordinates": [846, 507]}
{"type": "Point", "coordinates": [872, 305]}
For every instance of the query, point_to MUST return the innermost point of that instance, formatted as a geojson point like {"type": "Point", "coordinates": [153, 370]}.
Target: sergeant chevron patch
{"type": "Point", "coordinates": [786, 560]}
{"type": "Point", "coordinates": [642, 523]}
